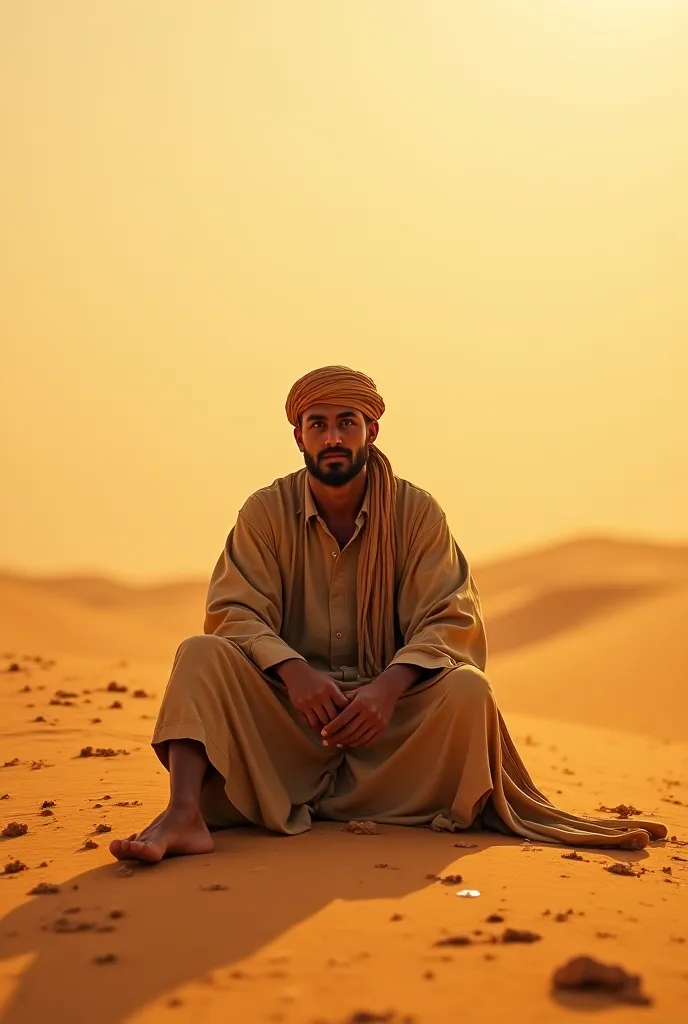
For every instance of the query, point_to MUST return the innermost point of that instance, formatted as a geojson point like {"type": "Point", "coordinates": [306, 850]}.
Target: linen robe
{"type": "Point", "coordinates": [282, 588]}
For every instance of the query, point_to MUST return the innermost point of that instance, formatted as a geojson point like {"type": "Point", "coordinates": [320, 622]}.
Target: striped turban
{"type": "Point", "coordinates": [338, 385]}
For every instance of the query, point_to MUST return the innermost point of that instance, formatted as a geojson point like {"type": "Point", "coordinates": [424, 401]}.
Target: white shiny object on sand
{"type": "Point", "coordinates": [468, 893]}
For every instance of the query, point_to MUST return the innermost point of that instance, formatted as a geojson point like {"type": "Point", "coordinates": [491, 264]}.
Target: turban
{"type": "Point", "coordinates": [338, 385]}
{"type": "Point", "coordinates": [334, 385]}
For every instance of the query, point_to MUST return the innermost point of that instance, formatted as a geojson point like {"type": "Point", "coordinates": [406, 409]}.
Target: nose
{"type": "Point", "coordinates": [333, 438]}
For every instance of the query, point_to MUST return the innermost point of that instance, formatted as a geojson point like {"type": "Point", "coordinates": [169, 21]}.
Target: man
{"type": "Point", "coordinates": [341, 670]}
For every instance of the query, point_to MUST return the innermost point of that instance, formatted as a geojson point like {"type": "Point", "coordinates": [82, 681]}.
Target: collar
{"type": "Point", "coordinates": [310, 509]}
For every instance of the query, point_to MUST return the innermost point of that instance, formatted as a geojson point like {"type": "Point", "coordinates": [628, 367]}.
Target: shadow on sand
{"type": "Point", "coordinates": [175, 927]}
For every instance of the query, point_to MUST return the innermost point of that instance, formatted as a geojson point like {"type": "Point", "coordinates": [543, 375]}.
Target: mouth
{"type": "Point", "coordinates": [332, 458]}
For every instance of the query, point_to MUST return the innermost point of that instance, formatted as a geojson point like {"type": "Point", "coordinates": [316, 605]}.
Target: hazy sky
{"type": "Point", "coordinates": [483, 205]}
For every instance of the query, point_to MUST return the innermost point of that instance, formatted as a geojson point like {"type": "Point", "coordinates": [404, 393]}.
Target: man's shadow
{"type": "Point", "coordinates": [177, 922]}
{"type": "Point", "coordinates": [181, 919]}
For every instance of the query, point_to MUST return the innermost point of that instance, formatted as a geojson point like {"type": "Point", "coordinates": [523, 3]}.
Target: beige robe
{"type": "Point", "coordinates": [282, 589]}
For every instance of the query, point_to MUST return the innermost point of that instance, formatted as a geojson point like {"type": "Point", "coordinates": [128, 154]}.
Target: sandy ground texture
{"type": "Point", "coordinates": [588, 660]}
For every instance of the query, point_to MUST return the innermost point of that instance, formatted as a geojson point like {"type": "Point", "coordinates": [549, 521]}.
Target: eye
{"type": "Point", "coordinates": [347, 423]}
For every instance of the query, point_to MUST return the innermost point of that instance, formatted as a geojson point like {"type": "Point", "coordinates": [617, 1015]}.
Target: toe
{"type": "Point", "coordinates": [147, 851]}
{"type": "Point", "coordinates": [116, 848]}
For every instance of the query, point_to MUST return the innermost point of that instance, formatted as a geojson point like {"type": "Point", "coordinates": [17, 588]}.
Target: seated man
{"type": "Point", "coordinates": [341, 673]}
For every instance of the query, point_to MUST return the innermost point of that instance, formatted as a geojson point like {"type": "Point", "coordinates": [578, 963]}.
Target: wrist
{"type": "Point", "coordinates": [286, 670]}
{"type": "Point", "coordinates": [397, 679]}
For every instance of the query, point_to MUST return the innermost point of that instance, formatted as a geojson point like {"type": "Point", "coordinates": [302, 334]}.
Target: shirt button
{"type": "Point", "coordinates": [334, 554]}
{"type": "Point", "coordinates": [339, 636]}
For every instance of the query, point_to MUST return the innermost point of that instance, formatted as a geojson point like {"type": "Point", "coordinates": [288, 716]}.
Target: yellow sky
{"type": "Point", "coordinates": [482, 205]}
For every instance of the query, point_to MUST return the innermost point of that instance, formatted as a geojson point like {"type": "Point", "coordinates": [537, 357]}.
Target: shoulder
{"type": "Point", "coordinates": [416, 508]}
{"type": "Point", "coordinates": [280, 501]}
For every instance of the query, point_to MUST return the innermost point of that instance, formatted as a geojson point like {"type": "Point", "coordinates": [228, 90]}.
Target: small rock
{"type": "Point", "coordinates": [454, 940]}
{"type": "Point", "coordinates": [621, 868]}
{"type": "Point", "coordinates": [361, 828]}
{"type": "Point", "coordinates": [14, 830]}
{"type": "Point", "coordinates": [588, 974]}
{"type": "Point", "coordinates": [623, 810]}
{"type": "Point", "coordinates": [14, 867]}
{"type": "Point", "coordinates": [44, 889]}
{"type": "Point", "coordinates": [105, 958]}
{"type": "Point", "coordinates": [520, 935]}
{"type": "Point", "coordinates": [100, 752]}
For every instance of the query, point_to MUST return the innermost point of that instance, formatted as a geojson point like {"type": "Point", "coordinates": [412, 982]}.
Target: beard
{"type": "Point", "coordinates": [336, 473]}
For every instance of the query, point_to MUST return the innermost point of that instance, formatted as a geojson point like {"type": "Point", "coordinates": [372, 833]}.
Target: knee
{"type": "Point", "coordinates": [465, 682]}
{"type": "Point", "coordinates": [205, 647]}
{"type": "Point", "coordinates": [202, 642]}
{"type": "Point", "coordinates": [202, 663]}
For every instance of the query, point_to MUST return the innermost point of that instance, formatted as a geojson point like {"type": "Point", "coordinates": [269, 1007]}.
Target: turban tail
{"type": "Point", "coordinates": [338, 385]}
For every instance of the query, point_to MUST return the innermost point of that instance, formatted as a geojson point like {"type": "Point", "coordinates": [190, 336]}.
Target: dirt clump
{"type": "Point", "coordinates": [584, 973]}
{"type": "Point", "coordinates": [14, 830]}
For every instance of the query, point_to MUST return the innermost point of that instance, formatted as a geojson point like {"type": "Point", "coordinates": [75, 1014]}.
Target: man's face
{"type": "Point", "coordinates": [334, 441]}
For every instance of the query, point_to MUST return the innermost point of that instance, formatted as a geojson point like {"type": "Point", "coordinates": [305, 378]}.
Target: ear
{"type": "Point", "coordinates": [298, 437]}
{"type": "Point", "coordinates": [373, 431]}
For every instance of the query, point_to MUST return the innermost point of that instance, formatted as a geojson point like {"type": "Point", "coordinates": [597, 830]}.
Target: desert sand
{"type": "Point", "coordinates": [588, 658]}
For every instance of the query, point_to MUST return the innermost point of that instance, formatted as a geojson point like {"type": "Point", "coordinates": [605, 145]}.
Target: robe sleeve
{"type": "Point", "coordinates": [244, 602]}
{"type": "Point", "coordinates": [438, 605]}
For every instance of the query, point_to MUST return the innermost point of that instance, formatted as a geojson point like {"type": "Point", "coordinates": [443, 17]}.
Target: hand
{"type": "Point", "coordinates": [369, 713]}
{"type": "Point", "coordinates": [315, 696]}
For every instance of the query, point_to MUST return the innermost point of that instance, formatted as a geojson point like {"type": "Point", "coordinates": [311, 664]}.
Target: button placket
{"type": "Point", "coordinates": [336, 612]}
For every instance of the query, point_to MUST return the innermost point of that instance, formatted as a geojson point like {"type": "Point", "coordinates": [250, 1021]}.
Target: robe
{"type": "Point", "coordinates": [282, 589]}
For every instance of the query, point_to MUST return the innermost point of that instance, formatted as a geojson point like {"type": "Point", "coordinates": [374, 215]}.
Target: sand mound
{"type": "Point", "coordinates": [625, 669]}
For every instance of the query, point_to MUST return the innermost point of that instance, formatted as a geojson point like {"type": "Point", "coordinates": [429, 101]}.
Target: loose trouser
{"type": "Point", "coordinates": [446, 760]}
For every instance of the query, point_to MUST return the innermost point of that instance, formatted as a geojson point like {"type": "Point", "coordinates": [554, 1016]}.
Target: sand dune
{"type": "Point", "coordinates": [626, 669]}
{"type": "Point", "coordinates": [589, 630]}
{"type": "Point", "coordinates": [585, 560]}
{"type": "Point", "coordinates": [102, 620]}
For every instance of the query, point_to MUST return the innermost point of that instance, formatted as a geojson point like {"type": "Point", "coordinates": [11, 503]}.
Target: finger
{"type": "Point", "coordinates": [311, 718]}
{"type": "Point", "coordinates": [330, 708]}
{"type": "Point", "coordinates": [368, 739]}
{"type": "Point", "coordinates": [349, 735]}
{"type": "Point", "coordinates": [322, 715]}
{"type": "Point", "coordinates": [341, 699]}
{"type": "Point", "coordinates": [340, 721]}
{"type": "Point", "coordinates": [355, 738]}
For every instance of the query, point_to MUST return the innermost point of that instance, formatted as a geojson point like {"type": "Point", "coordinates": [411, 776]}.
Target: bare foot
{"type": "Point", "coordinates": [174, 832]}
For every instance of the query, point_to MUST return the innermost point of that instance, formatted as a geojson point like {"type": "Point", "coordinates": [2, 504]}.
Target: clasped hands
{"type": "Point", "coordinates": [352, 719]}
